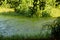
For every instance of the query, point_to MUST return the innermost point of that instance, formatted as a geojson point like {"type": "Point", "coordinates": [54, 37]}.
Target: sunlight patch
{"type": "Point", "coordinates": [6, 10]}
{"type": "Point", "coordinates": [55, 12]}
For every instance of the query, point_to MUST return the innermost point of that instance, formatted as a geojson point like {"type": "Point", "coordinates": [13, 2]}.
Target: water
{"type": "Point", "coordinates": [12, 25]}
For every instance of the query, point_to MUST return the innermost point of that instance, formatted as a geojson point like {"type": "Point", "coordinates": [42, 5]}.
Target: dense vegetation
{"type": "Point", "coordinates": [30, 8]}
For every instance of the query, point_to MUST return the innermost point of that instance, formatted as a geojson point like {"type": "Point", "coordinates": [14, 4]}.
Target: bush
{"type": "Point", "coordinates": [45, 14]}
{"type": "Point", "coordinates": [56, 29]}
{"type": "Point", "coordinates": [23, 11]}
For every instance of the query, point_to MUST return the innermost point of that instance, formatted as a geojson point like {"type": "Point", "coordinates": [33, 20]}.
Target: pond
{"type": "Point", "coordinates": [16, 25]}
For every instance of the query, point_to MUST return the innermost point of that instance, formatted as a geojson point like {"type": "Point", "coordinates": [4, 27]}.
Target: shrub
{"type": "Point", "coordinates": [45, 14]}
{"type": "Point", "coordinates": [56, 29]}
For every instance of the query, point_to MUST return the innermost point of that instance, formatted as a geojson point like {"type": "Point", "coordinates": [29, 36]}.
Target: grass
{"type": "Point", "coordinates": [6, 9]}
{"type": "Point", "coordinates": [21, 37]}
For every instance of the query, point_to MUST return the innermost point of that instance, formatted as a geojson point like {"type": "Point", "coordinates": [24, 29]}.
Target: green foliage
{"type": "Point", "coordinates": [24, 8]}
{"type": "Point", "coordinates": [30, 7]}
{"type": "Point", "coordinates": [13, 3]}
{"type": "Point", "coordinates": [1, 2]}
{"type": "Point", "coordinates": [57, 21]}
{"type": "Point", "coordinates": [46, 14]}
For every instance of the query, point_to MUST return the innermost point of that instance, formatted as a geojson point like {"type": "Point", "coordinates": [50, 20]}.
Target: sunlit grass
{"type": "Point", "coordinates": [55, 12]}
{"type": "Point", "coordinates": [6, 9]}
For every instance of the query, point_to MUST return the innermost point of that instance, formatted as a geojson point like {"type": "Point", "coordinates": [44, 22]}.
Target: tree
{"type": "Point", "coordinates": [38, 4]}
{"type": "Point", "coordinates": [42, 4]}
{"type": "Point", "coordinates": [58, 2]}
{"type": "Point", "coordinates": [1, 2]}
{"type": "Point", "coordinates": [13, 3]}
{"type": "Point", "coordinates": [34, 9]}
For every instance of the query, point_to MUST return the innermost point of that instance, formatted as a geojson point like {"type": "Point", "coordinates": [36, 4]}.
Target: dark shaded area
{"type": "Point", "coordinates": [58, 2]}
{"type": "Point", "coordinates": [56, 29]}
{"type": "Point", "coordinates": [45, 14]}
{"type": "Point", "coordinates": [42, 5]}
{"type": "Point", "coordinates": [1, 2]}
